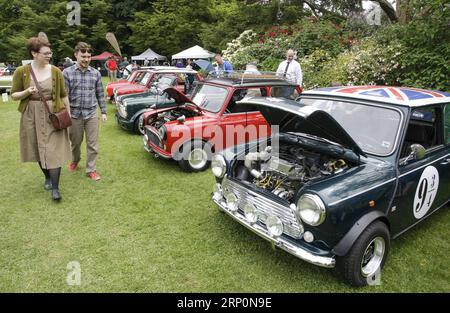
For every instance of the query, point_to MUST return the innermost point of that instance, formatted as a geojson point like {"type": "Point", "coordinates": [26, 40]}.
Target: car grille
{"type": "Point", "coordinates": [153, 136]}
{"type": "Point", "coordinates": [266, 207]}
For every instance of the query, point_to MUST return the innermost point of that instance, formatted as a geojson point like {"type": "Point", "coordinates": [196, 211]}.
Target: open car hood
{"type": "Point", "coordinates": [292, 116]}
{"type": "Point", "coordinates": [179, 97]}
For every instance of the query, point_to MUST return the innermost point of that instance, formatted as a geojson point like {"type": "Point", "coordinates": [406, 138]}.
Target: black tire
{"type": "Point", "coordinates": [139, 125]}
{"type": "Point", "coordinates": [188, 161]}
{"type": "Point", "coordinates": [371, 246]}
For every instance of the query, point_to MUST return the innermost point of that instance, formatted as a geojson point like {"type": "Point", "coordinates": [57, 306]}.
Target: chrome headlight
{"type": "Point", "coordinates": [232, 201]}
{"type": "Point", "coordinates": [311, 209]}
{"type": "Point", "coordinates": [162, 132]}
{"type": "Point", "coordinates": [218, 165]}
{"type": "Point", "coordinates": [123, 109]}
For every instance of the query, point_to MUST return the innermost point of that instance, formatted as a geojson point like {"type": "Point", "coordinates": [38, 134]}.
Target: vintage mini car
{"type": "Point", "coordinates": [348, 169]}
{"type": "Point", "coordinates": [134, 78]}
{"type": "Point", "coordinates": [185, 79]}
{"type": "Point", "coordinates": [191, 131]}
{"type": "Point", "coordinates": [131, 108]}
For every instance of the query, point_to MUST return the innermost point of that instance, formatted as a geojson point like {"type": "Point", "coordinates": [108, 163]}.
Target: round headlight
{"type": "Point", "coordinates": [232, 204]}
{"type": "Point", "coordinates": [274, 226]}
{"type": "Point", "coordinates": [218, 165]}
{"type": "Point", "coordinates": [250, 213]}
{"type": "Point", "coordinates": [311, 209]}
{"type": "Point", "coordinates": [217, 192]}
{"type": "Point", "coordinates": [162, 129]}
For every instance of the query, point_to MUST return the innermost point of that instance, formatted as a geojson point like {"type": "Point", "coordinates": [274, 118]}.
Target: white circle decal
{"type": "Point", "coordinates": [426, 191]}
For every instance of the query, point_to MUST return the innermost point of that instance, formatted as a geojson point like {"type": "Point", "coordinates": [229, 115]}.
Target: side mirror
{"type": "Point", "coordinates": [417, 153]}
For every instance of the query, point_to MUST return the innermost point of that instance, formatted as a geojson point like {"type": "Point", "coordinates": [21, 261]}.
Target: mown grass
{"type": "Point", "coordinates": [148, 227]}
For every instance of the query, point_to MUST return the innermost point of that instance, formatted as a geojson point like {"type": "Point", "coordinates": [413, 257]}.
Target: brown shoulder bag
{"type": "Point", "coordinates": [61, 119]}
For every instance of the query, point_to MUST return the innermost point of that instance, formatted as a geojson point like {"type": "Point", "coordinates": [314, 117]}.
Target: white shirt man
{"type": "Point", "coordinates": [290, 69]}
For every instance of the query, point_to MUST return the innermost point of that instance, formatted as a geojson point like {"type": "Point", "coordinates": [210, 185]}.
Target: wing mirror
{"type": "Point", "coordinates": [417, 153]}
{"type": "Point", "coordinates": [181, 119]}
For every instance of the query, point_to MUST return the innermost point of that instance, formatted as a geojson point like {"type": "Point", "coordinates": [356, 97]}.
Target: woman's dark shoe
{"type": "Point", "coordinates": [47, 184]}
{"type": "Point", "coordinates": [56, 196]}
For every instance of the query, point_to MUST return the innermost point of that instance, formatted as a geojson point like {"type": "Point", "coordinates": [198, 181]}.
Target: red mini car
{"type": "Point", "coordinates": [134, 78]}
{"type": "Point", "coordinates": [191, 130]}
{"type": "Point", "coordinates": [185, 77]}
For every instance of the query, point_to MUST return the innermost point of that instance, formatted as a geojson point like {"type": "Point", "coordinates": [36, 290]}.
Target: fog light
{"type": "Point", "coordinates": [231, 201]}
{"type": "Point", "coordinates": [274, 226]}
{"type": "Point", "coordinates": [250, 213]}
{"type": "Point", "coordinates": [308, 236]}
{"type": "Point", "coordinates": [217, 192]}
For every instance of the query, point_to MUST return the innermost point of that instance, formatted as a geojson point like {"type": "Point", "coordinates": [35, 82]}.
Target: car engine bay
{"type": "Point", "coordinates": [159, 119]}
{"type": "Point", "coordinates": [285, 172]}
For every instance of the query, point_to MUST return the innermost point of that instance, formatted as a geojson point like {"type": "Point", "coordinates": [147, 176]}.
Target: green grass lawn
{"type": "Point", "coordinates": [148, 227]}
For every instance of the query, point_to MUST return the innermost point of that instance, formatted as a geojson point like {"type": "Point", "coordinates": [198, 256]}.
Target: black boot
{"type": "Point", "coordinates": [47, 182]}
{"type": "Point", "coordinates": [54, 177]}
{"type": "Point", "coordinates": [56, 196]}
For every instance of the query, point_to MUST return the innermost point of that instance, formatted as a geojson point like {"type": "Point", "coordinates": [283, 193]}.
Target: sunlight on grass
{"type": "Point", "coordinates": [148, 227]}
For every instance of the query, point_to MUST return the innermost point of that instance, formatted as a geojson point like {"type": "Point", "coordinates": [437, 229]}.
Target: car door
{"type": "Point", "coordinates": [233, 122]}
{"type": "Point", "coordinates": [423, 185]}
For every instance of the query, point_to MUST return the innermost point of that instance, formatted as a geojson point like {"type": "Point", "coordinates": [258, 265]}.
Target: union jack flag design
{"type": "Point", "coordinates": [396, 93]}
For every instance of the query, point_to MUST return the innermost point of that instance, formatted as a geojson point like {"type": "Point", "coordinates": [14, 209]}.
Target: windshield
{"type": "Point", "coordinates": [166, 81]}
{"type": "Point", "coordinates": [210, 98]}
{"type": "Point", "coordinates": [373, 128]}
{"type": "Point", "coordinates": [145, 79]}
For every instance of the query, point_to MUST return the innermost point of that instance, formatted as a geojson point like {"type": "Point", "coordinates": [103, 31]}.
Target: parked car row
{"type": "Point", "coordinates": [329, 175]}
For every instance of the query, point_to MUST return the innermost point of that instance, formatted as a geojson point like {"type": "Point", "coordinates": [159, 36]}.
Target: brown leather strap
{"type": "Point", "coordinates": [41, 95]}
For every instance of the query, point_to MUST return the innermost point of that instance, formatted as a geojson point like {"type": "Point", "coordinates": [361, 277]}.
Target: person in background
{"type": "Point", "coordinates": [39, 141]}
{"type": "Point", "coordinates": [223, 66]}
{"type": "Point", "coordinates": [111, 65]}
{"type": "Point", "coordinates": [290, 69]}
{"type": "Point", "coordinates": [155, 62]}
{"type": "Point", "coordinates": [122, 68]}
{"type": "Point", "coordinates": [189, 78]}
{"type": "Point", "coordinates": [85, 90]}
{"type": "Point", "coordinates": [146, 62]}
{"type": "Point", "coordinates": [179, 63]}
{"type": "Point", "coordinates": [189, 64]}
{"type": "Point", "coordinates": [252, 68]}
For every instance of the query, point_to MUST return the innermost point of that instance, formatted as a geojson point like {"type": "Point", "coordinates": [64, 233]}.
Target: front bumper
{"type": "Point", "coordinates": [125, 124]}
{"type": "Point", "coordinates": [150, 147]}
{"type": "Point", "coordinates": [280, 242]}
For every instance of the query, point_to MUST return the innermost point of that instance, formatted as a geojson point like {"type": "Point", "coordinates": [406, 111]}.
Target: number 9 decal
{"type": "Point", "coordinates": [426, 191]}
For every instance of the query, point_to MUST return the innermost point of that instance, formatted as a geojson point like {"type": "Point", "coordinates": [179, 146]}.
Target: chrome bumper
{"type": "Point", "coordinates": [153, 151]}
{"type": "Point", "coordinates": [279, 242]}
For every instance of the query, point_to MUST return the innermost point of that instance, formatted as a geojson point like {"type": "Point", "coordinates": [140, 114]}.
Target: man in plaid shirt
{"type": "Point", "coordinates": [85, 90]}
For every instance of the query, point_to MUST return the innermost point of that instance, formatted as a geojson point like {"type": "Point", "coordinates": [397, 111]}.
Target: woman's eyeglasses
{"type": "Point", "coordinates": [46, 53]}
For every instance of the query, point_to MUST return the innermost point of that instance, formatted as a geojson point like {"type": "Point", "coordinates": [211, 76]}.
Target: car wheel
{"type": "Point", "coordinates": [139, 125]}
{"type": "Point", "coordinates": [362, 264]}
{"type": "Point", "coordinates": [195, 156]}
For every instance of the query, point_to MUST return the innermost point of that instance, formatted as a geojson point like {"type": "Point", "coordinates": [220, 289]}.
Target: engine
{"type": "Point", "coordinates": [285, 172]}
{"type": "Point", "coordinates": [160, 119]}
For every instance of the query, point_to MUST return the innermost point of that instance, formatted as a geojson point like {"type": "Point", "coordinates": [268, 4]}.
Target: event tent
{"type": "Point", "coordinates": [195, 52]}
{"type": "Point", "coordinates": [148, 54]}
{"type": "Point", "coordinates": [104, 56]}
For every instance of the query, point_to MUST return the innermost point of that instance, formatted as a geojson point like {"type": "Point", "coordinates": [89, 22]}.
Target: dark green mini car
{"type": "Point", "coordinates": [131, 107]}
{"type": "Point", "coordinates": [348, 169]}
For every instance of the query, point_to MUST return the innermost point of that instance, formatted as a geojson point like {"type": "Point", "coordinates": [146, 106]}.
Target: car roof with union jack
{"type": "Point", "coordinates": [406, 96]}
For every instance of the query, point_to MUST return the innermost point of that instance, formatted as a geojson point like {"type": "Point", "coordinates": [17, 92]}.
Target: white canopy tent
{"type": "Point", "coordinates": [148, 54]}
{"type": "Point", "coordinates": [195, 52]}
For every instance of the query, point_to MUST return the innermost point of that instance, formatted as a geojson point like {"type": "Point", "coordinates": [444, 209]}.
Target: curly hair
{"type": "Point", "coordinates": [34, 44]}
